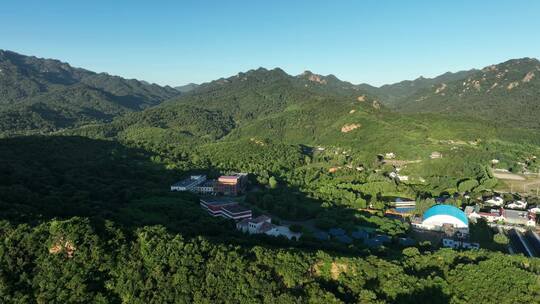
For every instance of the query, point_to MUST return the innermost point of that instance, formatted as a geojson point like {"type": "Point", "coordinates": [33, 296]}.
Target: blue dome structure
{"type": "Point", "coordinates": [445, 214]}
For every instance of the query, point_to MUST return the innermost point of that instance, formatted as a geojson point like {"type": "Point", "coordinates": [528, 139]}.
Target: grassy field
{"type": "Point", "coordinates": [521, 183]}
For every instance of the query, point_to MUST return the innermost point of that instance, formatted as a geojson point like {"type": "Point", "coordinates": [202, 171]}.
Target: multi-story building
{"type": "Point", "coordinates": [225, 208]}
{"type": "Point", "coordinates": [236, 212]}
{"type": "Point", "coordinates": [188, 184]}
{"type": "Point", "coordinates": [231, 184]}
{"type": "Point", "coordinates": [206, 188]}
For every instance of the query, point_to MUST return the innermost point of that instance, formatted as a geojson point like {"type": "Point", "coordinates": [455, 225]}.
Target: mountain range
{"type": "Point", "coordinates": [45, 95]}
{"type": "Point", "coordinates": [87, 215]}
{"type": "Point", "coordinates": [508, 93]}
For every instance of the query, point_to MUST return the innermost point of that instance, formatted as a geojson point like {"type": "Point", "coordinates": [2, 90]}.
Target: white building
{"type": "Point", "coordinates": [263, 224]}
{"type": "Point", "coordinates": [260, 224]}
{"type": "Point", "coordinates": [535, 210]}
{"type": "Point", "coordinates": [390, 155]}
{"type": "Point", "coordinates": [443, 217]}
{"type": "Point", "coordinates": [491, 216]}
{"type": "Point", "coordinates": [403, 178]}
{"type": "Point", "coordinates": [449, 243]}
{"type": "Point", "coordinates": [517, 205]}
{"type": "Point", "coordinates": [495, 201]}
{"type": "Point", "coordinates": [283, 231]}
{"type": "Point", "coordinates": [435, 155]}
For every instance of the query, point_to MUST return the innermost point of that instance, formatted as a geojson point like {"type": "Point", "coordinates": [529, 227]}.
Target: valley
{"type": "Point", "coordinates": [87, 161]}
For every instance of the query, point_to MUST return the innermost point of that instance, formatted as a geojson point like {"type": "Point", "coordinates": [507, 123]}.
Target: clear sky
{"type": "Point", "coordinates": [176, 42]}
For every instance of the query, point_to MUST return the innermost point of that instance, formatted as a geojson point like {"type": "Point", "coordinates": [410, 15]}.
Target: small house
{"type": "Point", "coordinates": [435, 155]}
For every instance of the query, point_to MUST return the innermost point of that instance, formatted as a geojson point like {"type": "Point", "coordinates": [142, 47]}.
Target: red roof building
{"type": "Point", "coordinates": [231, 184]}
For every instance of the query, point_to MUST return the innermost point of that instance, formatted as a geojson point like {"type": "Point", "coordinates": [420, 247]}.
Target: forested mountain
{"type": "Point", "coordinates": [261, 103]}
{"type": "Point", "coordinates": [42, 95]}
{"type": "Point", "coordinates": [306, 109]}
{"type": "Point", "coordinates": [186, 88]}
{"type": "Point", "coordinates": [394, 93]}
{"type": "Point", "coordinates": [86, 214]}
{"type": "Point", "coordinates": [508, 93]}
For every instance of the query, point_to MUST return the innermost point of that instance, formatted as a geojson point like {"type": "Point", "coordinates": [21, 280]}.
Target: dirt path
{"type": "Point", "coordinates": [508, 176]}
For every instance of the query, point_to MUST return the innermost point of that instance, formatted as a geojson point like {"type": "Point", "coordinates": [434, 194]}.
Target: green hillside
{"type": "Point", "coordinates": [307, 109]}
{"type": "Point", "coordinates": [395, 93]}
{"type": "Point", "coordinates": [43, 95]}
{"type": "Point", "coordinates": [86, 214]}
{"type": "Point", "coordinates": [508, 93]}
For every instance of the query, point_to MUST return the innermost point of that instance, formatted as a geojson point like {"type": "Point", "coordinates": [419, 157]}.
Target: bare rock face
{"type": "Point", "coordinates": [512, 85]}
{"type": "Point", "coordinates": [376, 105]}
{"type": "Point", "coordinates": [349, 127]}
{"type": "Point", "coordinates": [314, 77]}
{"type": "Point", "coordinates": [62, 245]}
{"type": "Point", "coordinates": [361, 98]}
{"type": "Point", "coordinates": [440, 89]}
{"type": "Point", "coordinates": [317, 79]}
{"type": "Point", "coordinates": [528, 77]}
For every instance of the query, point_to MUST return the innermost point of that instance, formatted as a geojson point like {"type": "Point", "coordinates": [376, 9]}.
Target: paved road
{"type": "Point", "coordinates": [516, 243]}
{"type": "Point", "coordinates": [533, 240]}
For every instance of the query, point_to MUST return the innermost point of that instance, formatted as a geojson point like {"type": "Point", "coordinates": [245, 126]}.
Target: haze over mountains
{"type": "Point", "coordinates": [44, 95]}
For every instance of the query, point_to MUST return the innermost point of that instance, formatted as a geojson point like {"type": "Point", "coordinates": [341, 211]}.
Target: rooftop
{"type": "Point", "coordinates": [228, 177]}
{"type": "Point", "coordinates": [232, 177]}
{"type": "Point", "coordinates": [260, 219]}
{"type": "Point", "coordinates": [235, 208]}
{"type": "Point", "coordinates": [447, 210]}
{"type": "Point", "coordinates": [208, 183]}
{"type": "Point", "coordinates": [217, 201]}
{"type": "Point", "coordinates": [265, 227]}
{"type": "Point", "coordinates": [188, 181]}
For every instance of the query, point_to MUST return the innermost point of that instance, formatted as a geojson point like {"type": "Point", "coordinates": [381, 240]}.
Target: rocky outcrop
{"type": "Point", "coordinates": [349, 127]}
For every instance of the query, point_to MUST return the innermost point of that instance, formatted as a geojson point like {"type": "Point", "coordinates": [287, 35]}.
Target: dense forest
{"type": "Point", "coordinates": [86, 215]}
{"type": "Point", "coordinates": [506, 93]}
{"type": "Point", "coordinates": [91, 234]}
{"type": "Point", "coordinates": [43, 95]}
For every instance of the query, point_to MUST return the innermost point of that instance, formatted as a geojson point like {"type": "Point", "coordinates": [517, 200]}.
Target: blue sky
{"type": "Point", "coordinates": [176, 42]}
